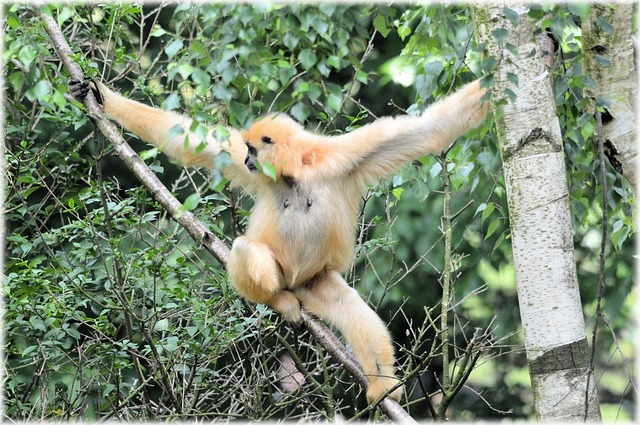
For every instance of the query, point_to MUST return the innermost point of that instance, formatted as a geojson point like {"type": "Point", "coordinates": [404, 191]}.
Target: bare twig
{"type": "Point", "coordinates": [603, 246]}
{"type": "Point", "coordinates": [446, 275]}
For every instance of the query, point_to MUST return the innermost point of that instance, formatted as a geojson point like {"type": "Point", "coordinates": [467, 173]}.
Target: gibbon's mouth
{"type": "Point", "coordinates": [250, 163]}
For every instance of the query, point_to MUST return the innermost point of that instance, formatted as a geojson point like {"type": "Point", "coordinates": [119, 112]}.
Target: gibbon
{"type": "Point", "coordinates": [301, 232]}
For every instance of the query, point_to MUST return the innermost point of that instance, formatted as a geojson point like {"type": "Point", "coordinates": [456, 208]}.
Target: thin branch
{"type": "Point", "coordinates": [186, 219]}
{"type": "Point", "coordinates": [603, 246]}
{"type": "Point", "coordinates": [446, 275]}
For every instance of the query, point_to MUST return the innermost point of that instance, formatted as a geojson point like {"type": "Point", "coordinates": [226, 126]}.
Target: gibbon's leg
{"type": "Point", "coordinates": [329, 297]}
{"type": "Point", "coordinates": [256, 276]}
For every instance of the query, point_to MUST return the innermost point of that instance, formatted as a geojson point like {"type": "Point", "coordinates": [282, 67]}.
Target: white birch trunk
{"type": "Point", "coordinates": [616, 78]}
{"type": "Point", "coordinates": [542, 240]}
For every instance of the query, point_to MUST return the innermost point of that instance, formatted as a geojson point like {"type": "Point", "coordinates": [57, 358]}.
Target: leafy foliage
{"type": "Point", "coordinates": [113, 312]}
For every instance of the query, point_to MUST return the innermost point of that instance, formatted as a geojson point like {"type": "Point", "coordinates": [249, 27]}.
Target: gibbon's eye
{"type": "Point", "coordinates": [267, 140]}
{"type": "Point", "coordinates": [252, 150]}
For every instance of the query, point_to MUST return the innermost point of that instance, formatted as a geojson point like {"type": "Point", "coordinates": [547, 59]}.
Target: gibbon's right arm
{"type": "Point", "coordinates": [171, 133]}
{"type": "Point", "coordinates": [379, 148]}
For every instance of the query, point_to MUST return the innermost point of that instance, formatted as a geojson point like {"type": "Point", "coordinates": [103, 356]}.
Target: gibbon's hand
{"type": "Point", "coordinates": [80, 89]}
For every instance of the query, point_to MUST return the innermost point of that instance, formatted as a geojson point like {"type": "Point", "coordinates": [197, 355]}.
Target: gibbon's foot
{"type": "Point", "coordinates": [80, 89]}
{"type": "Point", "coordinates": [288, 305]}
{"type": "Point", "coordinates": [379, 386]}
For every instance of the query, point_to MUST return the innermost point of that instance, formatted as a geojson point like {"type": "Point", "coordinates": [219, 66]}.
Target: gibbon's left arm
{"type": "Point", "coordinates": [171, 132]}
{"type": "Point", "coordinates": [377, 149]}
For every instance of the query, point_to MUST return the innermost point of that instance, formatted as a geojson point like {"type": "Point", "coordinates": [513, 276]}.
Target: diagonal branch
{"type": "Point", "coordinates": [196, 229]}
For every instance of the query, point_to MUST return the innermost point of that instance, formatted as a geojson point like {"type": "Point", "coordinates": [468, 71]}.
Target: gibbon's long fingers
{"type": "Point", "coordinates": [329, 297]}
{"type": "Point", "coordinates": [167, 130]}
{"type": "Point", "coordinates": [455, 115]}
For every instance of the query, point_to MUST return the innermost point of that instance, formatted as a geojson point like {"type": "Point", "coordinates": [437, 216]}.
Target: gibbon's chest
{"type": "Point", "coordinates": [309, 226]}
{"type": "Point", "coordinates": [302, 211]}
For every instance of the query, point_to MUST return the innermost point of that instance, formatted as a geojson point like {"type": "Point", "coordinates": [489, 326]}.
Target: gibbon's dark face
{"type": "Point", "coordinates": [250, 160]}
{"type": "Point", "coordinates": [252, 152]}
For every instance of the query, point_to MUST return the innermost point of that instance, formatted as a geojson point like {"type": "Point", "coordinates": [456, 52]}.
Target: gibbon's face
{"type": "Point", "coordinates": [273, 139]}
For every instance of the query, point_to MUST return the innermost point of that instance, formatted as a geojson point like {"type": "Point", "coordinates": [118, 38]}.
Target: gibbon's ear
{"type": "Point", "coordinates": [312, 158]}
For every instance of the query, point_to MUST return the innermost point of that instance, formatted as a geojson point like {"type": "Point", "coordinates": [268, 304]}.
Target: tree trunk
{"type": "Point", "coordinates": [534, 173]}
{"type": "Point", "coordinates": [608, 46]}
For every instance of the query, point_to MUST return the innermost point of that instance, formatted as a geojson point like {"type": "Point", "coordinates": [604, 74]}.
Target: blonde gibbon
{"type": "Point", "coordinates": [301, 232]}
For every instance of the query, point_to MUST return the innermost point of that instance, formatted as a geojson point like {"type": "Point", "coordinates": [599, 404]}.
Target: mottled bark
{"type": "Point", "coordinates": [542, 238]}
{"type": "Point", "coordinates": [608, 45]}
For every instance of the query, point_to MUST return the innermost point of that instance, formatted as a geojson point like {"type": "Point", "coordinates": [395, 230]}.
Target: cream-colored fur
{"type": "Point", "coordinates": [301, 231]}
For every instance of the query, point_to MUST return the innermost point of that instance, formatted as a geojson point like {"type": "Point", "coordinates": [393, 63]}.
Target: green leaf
{"type": "Point", "coordinates": [500, 34]}
{"type": "Point", "coordinates": [200, 77]}
{"type": "Point", "coordinates": [157, 31]}
{"type": "Point", "coordinates": [170, 343]}
{"type": "Point", "coordinates": [161, 325]}
{"type": "Point", "coordinates": [333, 61]}
{"type": "Point", "coordinates": [290, 40]}
{"type": "Point", "coordinates": [513, 78]}
{"type": "Point", "coordinates": [64, 14]}
{"type": "Point", "coordinates": [617, 226]}
{"type": "Point", "coordinates": [190, 203]}
{"type": "Point", "coordinates": [314, 92]}
{"type": "Point", "coordinates": [488, 211]}
{"type": "Point", "coordinates": [500, 240]}
{"type": "Point", "coordinates": [605, 25]}
{"type": "Point", "coordinates": [362, 76]}
{"type": "Point", "coordinates": [587, 130]}
{"type": "Point", "coordinates": [173, 48]}
{"type": "Point", "coordinates": [404, 31]}
{"type": "Point", "coordinates": [397, 192]}
{"type": "Point", "coordinates": [380, 24]}
{"type": "Point", "coordinates": [73, 333]}
{"type": "Point", "coordinates": [269, 170]}
{"type": "Point", "coordinates": [149, 153]}
{"type": "Point", "coordinates": [492, 228]}
{"type": "Point", "coordinates": [511, 15]}
{"type": "Point", "coordinates": [307, 58]}
{"type": "Point", "coordinates": [41, 90]}
{"type": "Point", "coordinates": [13, 23]}
{"type": "Point", "coordinates": [620, 234]}
{"type": "Point", "coordinates": [30, 349]}
{"type": "Point", "coordinates": [488, 65]}
{"type": "Point", "coordinates": [334, 102]}
{"type": "Point", "coordinates": [299, 111]}
{"type": "Point", "coordinates": [171, 102]}
{"type": "Point", "coordinates": [511, 95]}
{"type": "Point", "coordinates": [580, 9]}
{"type": "Point", "coordinates": [17, 80]}
{"type": "Point", "coordinates": [604, 61]}
{"type": "Point", "coordinates": [26, 55]}
{"type": "Point", "coordinates": [184, 69]}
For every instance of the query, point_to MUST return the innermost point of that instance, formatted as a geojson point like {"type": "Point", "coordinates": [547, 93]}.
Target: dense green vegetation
{"type": "Point", "coordinates": [112, 311]}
